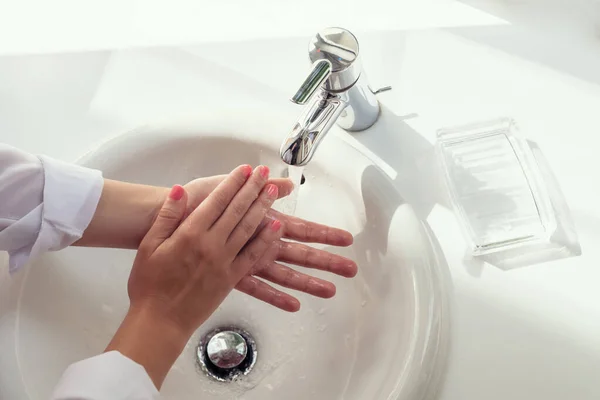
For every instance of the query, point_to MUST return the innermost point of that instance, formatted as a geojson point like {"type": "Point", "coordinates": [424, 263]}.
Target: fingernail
{"type": "Point", "coordinates": [275, 225]}
{"type": "Point", "coordinates": [176, 192]}
{"type": "Point", "coordinates": [264, 171]}
{"type": "Point", "coordinates": [247, 170]}
{"type": "Point", "coordinates": [272, 190]}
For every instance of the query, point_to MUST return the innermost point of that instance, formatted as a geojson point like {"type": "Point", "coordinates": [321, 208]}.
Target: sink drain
{"type": "Point", "coordinates": [225, 354]}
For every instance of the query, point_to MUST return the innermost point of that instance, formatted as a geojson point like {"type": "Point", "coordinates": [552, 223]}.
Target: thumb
{"type": "Point", "coordinates": [168, 219]}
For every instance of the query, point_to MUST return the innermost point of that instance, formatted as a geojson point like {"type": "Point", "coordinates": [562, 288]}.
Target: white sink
{"type": "Point", "coordinates": [381, 337]}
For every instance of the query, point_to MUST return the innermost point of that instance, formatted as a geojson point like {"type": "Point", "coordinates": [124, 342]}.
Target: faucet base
{"type": "Point", "coordinates": [362, 109]}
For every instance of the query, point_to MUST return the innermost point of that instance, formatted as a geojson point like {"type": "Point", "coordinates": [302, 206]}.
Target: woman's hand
{"type": "Point", "coordinates": [126, 212]}
{"type": "Point", "coordinates": [269, 267]}
{"type": "Point", "coordinates": [295, 253]}
{"type": "Point", "coordinates": [185, 268]}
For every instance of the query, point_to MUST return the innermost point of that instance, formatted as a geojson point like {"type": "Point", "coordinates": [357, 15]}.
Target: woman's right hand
{"type": "Point", "coordinates": [184, 270]}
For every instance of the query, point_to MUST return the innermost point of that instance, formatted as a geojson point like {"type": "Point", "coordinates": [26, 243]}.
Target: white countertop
{"type": "Point", "coordinates": [70, 77]}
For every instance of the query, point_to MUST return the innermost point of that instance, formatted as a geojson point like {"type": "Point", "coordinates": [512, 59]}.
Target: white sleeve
{"type": "Point", "coordinates": [45, 204]}
{"type": "Point", "coordinates": [109, 376]}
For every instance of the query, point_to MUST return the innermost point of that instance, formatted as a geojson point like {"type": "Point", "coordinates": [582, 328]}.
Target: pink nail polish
{"type": "Point", "coordinates": [264, 171]}
{"type": "Point", "coordinates": [275, 225]}
{"type": "Point", "coordinates": [247, 170]}
{"type": "Point", "coordinates": [272, 191]}
{"type": "Point", "coordinates": [177, 192]}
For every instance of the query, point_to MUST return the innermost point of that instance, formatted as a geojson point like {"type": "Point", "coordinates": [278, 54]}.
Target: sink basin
{"type": "Point", "coordinates": [381, 337]}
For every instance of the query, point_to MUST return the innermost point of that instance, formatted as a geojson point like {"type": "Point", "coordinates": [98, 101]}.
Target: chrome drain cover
{"type": "Point", "coordinates": [224, 354]}
{"type": "Point", "coordinates": [227, 349]}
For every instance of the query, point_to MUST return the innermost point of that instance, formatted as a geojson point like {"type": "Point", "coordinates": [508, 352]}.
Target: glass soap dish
{"type": "Point", "coordinates": [498, 191]}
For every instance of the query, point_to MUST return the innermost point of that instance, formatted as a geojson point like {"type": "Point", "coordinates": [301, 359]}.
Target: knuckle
{"type": "Point", "coordinates": [238, 209]}
{"type": "Point", "coordinates": [144, 250]}
{"type": "Point", "coordinates": [315, 257]}
{"type": "Point", "coordinates": [272, 251]}
{"type": "Point", "coordinates": [261, 243]}
{"type": "Point", "coordinates": [304, 285]}
{"type": "Point", "coordinates": [221, 200]}
{"type": "Point", "coordinates": [206, 250]}
{"type": "Point", "coordinates": [330, 262]}
{"type": "Point", "coordinates": [247, 228]}
{"type": "Point", "coordinates": [288, 276]}
{"type": "Point", "coordinates": [240, 181]}
{"type": "Point", "coordinates": [253, 256]}
{"type": "Point", "coordinates": [266, 201]}
{"type": "Point", "coordinates": [252, 287]}
{"type": "Point", "coordinates": [169, 214]}
{"type": "Point", "coordinates": [305, 254]}
{"type": "Point", "coordinates": [222, 274]}
{"type": "Point", "coordinates": [308, 231]}
{"type": "Point", "coordinates": [189, 238]}
{"type": "Point", "coordinates": [327, 234]}
{"type": "Point", "coordinates": [258, 183]}
{"type": "Point", "coordinates": [258, 267]}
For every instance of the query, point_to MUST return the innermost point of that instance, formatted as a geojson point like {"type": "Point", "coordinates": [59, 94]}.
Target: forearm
{"type": "Point", "coordinates": [150, 340]}
{"type": "Point", "coordinates": [124, 214]}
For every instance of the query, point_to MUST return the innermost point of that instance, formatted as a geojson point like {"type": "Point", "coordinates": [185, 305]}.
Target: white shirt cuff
{"type": "Point", "coordinates": [109, 376]}
{"type": "Point", "coordinates": [71, 195]}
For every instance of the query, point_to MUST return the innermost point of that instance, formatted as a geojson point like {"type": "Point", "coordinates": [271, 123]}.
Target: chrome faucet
{"type": "Point", "coordinates": [336, 91]}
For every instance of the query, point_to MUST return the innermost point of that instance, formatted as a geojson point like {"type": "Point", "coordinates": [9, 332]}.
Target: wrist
{"type": "Point", "coordinates": [124, 214]}
{"type": "Point", "coordinates": [150, 339]}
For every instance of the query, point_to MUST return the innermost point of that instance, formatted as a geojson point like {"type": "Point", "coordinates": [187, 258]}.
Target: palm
{"type": "Point", "coordinates": [299, 254]}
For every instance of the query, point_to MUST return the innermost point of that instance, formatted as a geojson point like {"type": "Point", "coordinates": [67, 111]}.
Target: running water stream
{"type": "Point", "coordinates": [287, 205]}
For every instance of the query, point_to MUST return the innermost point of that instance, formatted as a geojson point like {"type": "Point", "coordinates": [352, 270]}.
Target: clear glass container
{"type": "Point", "coordinates": [496, 187]}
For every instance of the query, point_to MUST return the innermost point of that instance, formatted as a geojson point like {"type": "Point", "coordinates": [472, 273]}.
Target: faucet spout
{"type": "Point", "coordinates": [335, 91]}
{"type": "Point", "coordinates": [313, 124]}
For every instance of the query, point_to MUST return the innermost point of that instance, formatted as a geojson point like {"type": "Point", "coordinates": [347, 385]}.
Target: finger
{"type": "Point", "coordinates": [306, 256]}
{"type": "Point", "coordinates": [168, 219]}
{"type": "Point", "coordinates": [247, 227]}
{"type": "Point", "coordinates": [291, 279]}
{"type": "Point", "coordinates": [311, 232]}
{"type": "Point", "coordinates": [284, 186]}
{"type": "Point", "coordinates": [209, 211]}
{"type": "Point", "coordinates": [260, 290]}
{"type": "Point", "coordinates": [242, 201]}
{"type": "Point", "coordinates": [256, 249]}
{"type": "Point", "coordinates": [200, 188]}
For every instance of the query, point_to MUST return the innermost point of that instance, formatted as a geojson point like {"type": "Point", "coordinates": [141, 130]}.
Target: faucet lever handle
{"type": "Point", "coordinates": [321, 69]}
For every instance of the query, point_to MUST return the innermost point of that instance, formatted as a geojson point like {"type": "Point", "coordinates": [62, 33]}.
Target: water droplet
{"type": "Point", "coordinates": [107, 309]}
{"type": "Point", "coordinates": [322, 311]}
{"type": "Point", "coordinates": [269, 386]}
{"type": "Point", "coordinates": [363, 303]}
{"type": "Point", "coordinates": [322, 328]}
